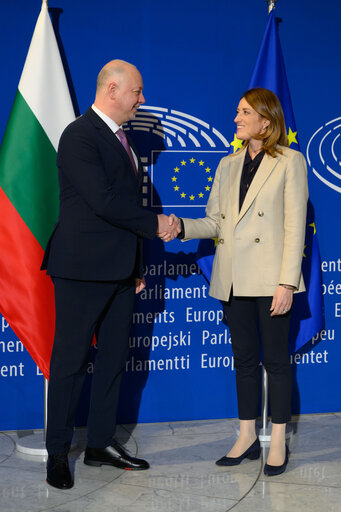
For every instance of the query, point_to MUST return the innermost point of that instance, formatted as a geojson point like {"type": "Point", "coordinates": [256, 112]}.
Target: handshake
{"type": "Point", "coordinates": [169, 227]}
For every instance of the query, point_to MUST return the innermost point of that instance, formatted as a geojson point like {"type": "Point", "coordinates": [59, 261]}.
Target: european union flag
{"type": "Point", "coordinates": [183, 178]}
{"type": "Point", "coordinates": [269, 73]}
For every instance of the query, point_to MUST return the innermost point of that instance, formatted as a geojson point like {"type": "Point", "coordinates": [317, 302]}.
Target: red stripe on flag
{"type": "Point", "coordinates": [27, 295]}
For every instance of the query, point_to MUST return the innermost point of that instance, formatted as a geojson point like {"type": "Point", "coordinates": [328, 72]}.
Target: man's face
{"type": "Point", "coordinates": [128, 95]}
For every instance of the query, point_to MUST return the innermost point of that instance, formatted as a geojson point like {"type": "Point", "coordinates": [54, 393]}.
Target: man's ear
{"type": "Point", "coordinates": [111, 90]}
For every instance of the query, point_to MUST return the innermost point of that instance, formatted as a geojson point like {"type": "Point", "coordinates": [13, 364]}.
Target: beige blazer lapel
{"type": "Point", "coordinates": [235, 173]}
{"type": "Point", "coordinates": [265, 169]}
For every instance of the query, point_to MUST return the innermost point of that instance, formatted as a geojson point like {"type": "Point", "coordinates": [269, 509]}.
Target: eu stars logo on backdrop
{"type": "Point", "coordinates": [184, 178]}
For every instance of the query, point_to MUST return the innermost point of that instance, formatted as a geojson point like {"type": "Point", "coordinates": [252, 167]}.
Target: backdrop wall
{"type": "Point", "coordinates": [196, 59]}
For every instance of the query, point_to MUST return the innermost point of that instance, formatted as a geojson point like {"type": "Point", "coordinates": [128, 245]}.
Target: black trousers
{"type": "Point", "coordinates": [85, 308]}
{"type": "Point", "coordinates": [251, 326]}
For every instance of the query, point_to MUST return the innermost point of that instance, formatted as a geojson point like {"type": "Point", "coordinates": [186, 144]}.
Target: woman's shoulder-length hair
{"type": "Point", "coordinates": [267, 105]}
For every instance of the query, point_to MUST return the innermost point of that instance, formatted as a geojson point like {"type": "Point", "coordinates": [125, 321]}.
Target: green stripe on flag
{"type": "Point", "coordinates": [28, 171]}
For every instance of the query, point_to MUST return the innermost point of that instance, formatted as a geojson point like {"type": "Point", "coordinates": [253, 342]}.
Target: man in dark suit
{"type": "Point", "coordinates": [94, 257]}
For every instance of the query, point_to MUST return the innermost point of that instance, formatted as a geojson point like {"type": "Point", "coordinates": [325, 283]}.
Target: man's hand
{"type": "Point", "coordinates": [169, 227]}
{"type": "Point", "coordinates": [140, 284]}
{"type": "Point", "coordinates": [282, 301]}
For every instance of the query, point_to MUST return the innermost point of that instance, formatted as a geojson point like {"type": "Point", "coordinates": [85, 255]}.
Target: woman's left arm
{"type": "Point", "coordinates": [295, 211]}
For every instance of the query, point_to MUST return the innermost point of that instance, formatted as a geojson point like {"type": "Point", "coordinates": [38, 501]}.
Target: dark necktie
{"type": "Point", "coordinates": [124, 141]}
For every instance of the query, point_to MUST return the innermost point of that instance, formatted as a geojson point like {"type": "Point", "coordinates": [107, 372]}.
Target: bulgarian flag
{"type": "Point", "coordinates": [29, 192]}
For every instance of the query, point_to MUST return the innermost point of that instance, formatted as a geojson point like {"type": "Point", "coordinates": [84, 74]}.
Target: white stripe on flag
{"type": "Point", "coordinates": [43, 84]}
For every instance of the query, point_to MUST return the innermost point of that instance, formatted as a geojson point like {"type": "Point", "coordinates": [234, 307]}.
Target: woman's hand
{"type": "Point", "coordinates": [282, 301]}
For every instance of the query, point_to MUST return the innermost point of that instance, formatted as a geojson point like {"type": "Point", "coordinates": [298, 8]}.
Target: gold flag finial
{"type": "Point", "coordinates": [271, 5]}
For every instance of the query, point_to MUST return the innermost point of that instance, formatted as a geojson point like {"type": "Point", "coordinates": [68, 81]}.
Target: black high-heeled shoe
{"type": "Point", "coordinates": [277, 470]}
{"type": "Point", "coordinates": [252, 453]}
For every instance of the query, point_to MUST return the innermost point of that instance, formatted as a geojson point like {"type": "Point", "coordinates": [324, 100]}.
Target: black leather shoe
{"type": "Point", "coordinates": [277, 470]}
{"type": "Point", "coordinates": [58, 471]}
{"type": "Point", "coordinates": [113, 455]}
{"type": "Point", "coordinates": [252, 453]}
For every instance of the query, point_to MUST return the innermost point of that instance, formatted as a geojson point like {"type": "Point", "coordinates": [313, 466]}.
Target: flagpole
{"type": "Point", "coordinates": [33, 442]}
{"type": "Point", "coordinates": [46, 387]}
{"type": "Point", "coordinates": [265, 433]}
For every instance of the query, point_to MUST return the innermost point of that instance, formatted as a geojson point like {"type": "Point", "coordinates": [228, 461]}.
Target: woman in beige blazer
{"type": "Point", "coordinates": [257, 210]}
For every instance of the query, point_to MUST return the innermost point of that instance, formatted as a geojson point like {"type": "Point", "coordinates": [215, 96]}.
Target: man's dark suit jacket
{"type": "Point", "coordinates": [101, 220]}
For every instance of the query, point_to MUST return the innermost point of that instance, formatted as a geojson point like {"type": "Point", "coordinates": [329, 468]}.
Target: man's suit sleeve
{"type": "Point", "coordinates": [81, 164]}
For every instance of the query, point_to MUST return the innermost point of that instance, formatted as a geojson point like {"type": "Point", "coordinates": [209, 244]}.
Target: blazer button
{"type": "Point", "coordinates": [257, 240]}
{"type": "Point", "coordinates": [260, 213]}
{"type": "Point", "coordinates": [221, 240]}
{"type": "Point", "coordinates": [222, 216]}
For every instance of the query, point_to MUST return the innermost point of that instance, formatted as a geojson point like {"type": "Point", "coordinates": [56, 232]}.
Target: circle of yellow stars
{"type": "Point", "coordinates": [186, 164]}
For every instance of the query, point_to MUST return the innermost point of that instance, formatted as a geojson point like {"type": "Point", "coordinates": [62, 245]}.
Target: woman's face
{"type": "Point", "coordinates": [249, 122]}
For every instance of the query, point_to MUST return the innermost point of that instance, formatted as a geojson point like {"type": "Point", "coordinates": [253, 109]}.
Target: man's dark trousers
{"type": "Point", "coordinates": [85, 308]}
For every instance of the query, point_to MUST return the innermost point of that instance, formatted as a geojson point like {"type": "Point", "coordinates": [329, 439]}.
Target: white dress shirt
{"type": "Point", "coordinates": [113, 127]}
